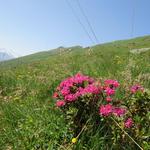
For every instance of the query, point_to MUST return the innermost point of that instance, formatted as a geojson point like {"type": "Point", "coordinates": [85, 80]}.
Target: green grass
{"type": "Point", "coordinates": [29, 119]}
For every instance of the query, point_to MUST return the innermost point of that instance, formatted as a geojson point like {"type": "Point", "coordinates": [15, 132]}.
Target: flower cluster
{"type": "Point", "coordinates": [88, 102]}
{"type": "Point", "coordinates": [136, 88]}
{"type": "Point", "coordinates": [111, 83]}
{"type": "Point", "coordinates": [108, 109]}
{"type": "Point", "coordinates": [60, 103]}
{"type": "Point", "coordinates": [73, 88]}
{"type": "Point", "coordinates": [110, 88]}
{"type": "Point", "coordinates": [82, 88]}
{"type": "Point", "coordinates": [128, 123]}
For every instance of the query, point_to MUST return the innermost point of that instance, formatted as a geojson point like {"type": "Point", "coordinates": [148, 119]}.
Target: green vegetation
{"type": "Point", "coordinates": [29, 118]}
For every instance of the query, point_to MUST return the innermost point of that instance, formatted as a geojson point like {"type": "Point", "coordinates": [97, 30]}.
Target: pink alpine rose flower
{"type": "Point", "coordinates": [119, 111]}
{"type": "Point", "coordinates": [111, 83]}
{"type": "Point", "coordinates": [105, 110]}
{"type": "Point", "coordinates": [60, 103]}
{"type": "Point", "coordinates": [109, 91]}
{"type": "Point", "coordinates": [55, 95]}
{"type": "Point", "coordinates": [108, 99]}
{"type": "Point", "coordinates": [65, 91]}
{"type": "Point", "coordinates": [70, 97]}
{"type": "Point", "coordinates": [128, 123]}
{"type": "Point", "coordinates": [136, 88]}
{"type": "Point", "coordinates": [92, 89]}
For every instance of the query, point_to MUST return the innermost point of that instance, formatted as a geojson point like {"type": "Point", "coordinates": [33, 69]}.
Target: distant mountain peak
{"type": "Point", "coordinates": [5, 54]}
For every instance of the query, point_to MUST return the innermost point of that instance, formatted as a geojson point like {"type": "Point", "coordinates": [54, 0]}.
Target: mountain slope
{"type": "Point", "coordinates": [123, 45]}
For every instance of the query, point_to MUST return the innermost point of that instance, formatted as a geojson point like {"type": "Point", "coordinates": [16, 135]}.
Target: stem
{"type": "Point", "coordinates": [82, 129]}
{"type": "Point", "coordinates": [79, 134]}
{"type": "Point", "coordinates": [127, 134]}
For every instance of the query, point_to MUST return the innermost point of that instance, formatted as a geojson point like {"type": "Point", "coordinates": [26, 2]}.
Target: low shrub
{"type": "Point", "coordinates": [91, 106]}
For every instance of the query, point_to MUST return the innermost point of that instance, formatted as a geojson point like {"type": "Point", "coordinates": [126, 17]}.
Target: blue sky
{"type": "Point", "coordinates": [29, 26]}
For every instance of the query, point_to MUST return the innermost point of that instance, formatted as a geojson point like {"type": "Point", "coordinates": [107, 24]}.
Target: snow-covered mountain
{"type": "Point", "coordinates": [5, 55]}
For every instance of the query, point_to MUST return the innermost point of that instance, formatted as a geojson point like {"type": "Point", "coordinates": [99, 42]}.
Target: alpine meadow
{"type": "Point", "coordinates": [113, 113]}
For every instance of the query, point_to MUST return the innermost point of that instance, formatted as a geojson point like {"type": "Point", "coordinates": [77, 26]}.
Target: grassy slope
{"type": "Point", "coordinates": [28, 118]}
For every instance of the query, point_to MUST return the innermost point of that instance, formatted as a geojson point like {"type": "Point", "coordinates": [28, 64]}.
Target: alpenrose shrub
{"type": "Point", "coordinates": [83, 99]}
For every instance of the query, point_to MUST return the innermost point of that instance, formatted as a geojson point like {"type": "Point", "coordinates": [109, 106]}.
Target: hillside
{"type": "Point", "coordinates": [123, 45]}
{"type": "Point", "coordinates": [29, 119]}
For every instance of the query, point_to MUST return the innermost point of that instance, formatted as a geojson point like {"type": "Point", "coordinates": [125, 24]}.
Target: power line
{"type": "Point", "coordinates": [87, 20]}
{"type": "Point", "coordinates": [78, 19]}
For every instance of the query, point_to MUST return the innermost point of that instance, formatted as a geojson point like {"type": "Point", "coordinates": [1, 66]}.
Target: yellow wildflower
{"type": "Point", "coordinates": [74, 140]}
